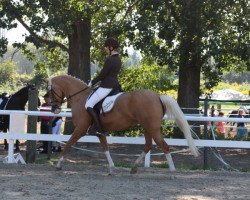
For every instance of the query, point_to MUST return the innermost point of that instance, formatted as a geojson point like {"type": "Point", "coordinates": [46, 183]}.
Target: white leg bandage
{"type": "Point", "coordinates": [138, 160]}
{"type": "Point", "coordinates": [170, 162]}
{"type": "Point", "coordinates": [110, 161]}
{"type": "Point", "coordinates": [60, 162]}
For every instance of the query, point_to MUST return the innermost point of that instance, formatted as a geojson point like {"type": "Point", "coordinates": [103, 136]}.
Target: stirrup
{"type": "Point", "coordinates": [92, 131]}
{"type": "Point", "coordinates": [97, 134]}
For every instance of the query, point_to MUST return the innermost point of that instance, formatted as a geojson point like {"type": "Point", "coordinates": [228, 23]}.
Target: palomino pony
{"type": "Point", "coordinates": [143, 107]}
{"type": "Point", "coordinates": [17, 101]}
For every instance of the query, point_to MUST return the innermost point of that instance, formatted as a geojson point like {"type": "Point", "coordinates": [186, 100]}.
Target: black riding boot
{"type": "Point", "coordinates": [93, 114]}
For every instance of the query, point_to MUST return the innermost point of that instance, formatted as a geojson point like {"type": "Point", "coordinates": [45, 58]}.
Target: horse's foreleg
{"type": "Point", "coordinates": [76, 135]}
{"type": "Point", "coordinates": [147, 148]}
{"type": "Point", "coordinates": [104, 144]}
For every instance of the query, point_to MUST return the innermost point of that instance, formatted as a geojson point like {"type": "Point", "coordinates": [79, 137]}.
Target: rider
{"type": "Point", "coordinates": [108, 79]}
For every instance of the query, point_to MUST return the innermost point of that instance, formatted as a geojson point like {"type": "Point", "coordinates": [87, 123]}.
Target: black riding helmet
{"type": "Point", "coordinates": [111, 42]}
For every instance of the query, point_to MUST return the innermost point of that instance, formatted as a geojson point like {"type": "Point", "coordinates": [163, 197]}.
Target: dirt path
{"type": "Point", "coordinates": [79, 181]}
{"type": "Point", "coordinates": [84, 176]}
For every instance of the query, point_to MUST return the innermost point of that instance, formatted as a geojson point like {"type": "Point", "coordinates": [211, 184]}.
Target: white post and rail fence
{"type": "Point", "coordinates": [17, 126]}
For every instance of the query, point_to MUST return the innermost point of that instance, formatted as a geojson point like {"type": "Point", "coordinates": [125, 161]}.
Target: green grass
{"type": "Point", "coordinates": [123, 164]}
{"type": "Point", "coordinates": [44, 159]}
{"type": "Point", "coordinates": [159, 165]}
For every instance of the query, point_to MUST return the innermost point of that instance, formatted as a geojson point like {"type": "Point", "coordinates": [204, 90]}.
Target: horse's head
{"type": "Point", "coordinates": [19, 99]}
{"type": "Point", "coordinates": [56, 96]}
{"type": "Point", "coordinates": [22, 95]}
{"type": "Point", "coordinates": [31, 86]}
{"type": "Point", "coordinates": [64, 88]}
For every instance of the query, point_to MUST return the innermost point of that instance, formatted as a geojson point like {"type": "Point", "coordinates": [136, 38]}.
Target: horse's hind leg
{"type": "Point", "coordinates": [165, 148]}
{"type": "Point", "coordinates": [147, 148]}
{"type": "Point", "coordinates": [104, 144]}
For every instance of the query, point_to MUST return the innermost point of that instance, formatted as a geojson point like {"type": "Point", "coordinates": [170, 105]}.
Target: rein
{"type": "Point", "coordinates": [76, 93]}
{"type": "Point", "coordinates": [67, 98]}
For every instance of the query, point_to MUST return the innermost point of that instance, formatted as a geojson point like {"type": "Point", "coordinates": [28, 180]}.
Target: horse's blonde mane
{"type": "Point", "coordinates": [70, 77]}
{"type": "Point", "coordinates": [49, 84]}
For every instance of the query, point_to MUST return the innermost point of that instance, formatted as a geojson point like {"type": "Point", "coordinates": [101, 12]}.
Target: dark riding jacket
{"type": "Point", "coordinates": [109, 73]}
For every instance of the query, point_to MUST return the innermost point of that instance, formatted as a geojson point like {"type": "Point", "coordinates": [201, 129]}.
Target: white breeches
{"type": "Point", "coordinates": [56, 130]}
{"type": "Point", "coordinates": [97, 96]}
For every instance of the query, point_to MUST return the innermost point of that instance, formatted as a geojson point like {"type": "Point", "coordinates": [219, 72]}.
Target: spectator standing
{"type": "Point", "coordinates": [220, 126]}
{"type": "Point", "coordinates": [241, 129]}
{"type": "Point", "coordinates": [56, 130]}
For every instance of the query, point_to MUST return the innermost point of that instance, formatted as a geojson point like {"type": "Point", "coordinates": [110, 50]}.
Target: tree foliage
{"type": "Point", "coordinates": [74, 26]}
{"type": "Point", "coordinates": [51, 60]}
{"type": "Point", "coordinates": [151, 77]}
{"type": "Point", "coordinates": [7, 71]}
{"type": "Point", "coordinates": [187, 35]}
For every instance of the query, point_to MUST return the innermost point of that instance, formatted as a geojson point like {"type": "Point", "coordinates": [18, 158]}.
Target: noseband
{"type": "Point", "coordinates": [54, 100]}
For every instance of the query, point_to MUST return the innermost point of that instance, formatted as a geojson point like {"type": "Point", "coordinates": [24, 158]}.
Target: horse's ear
{"type": "Point", "coordinates": [31, 85]}
{"type": "Point", "coordinates": [48, 83]}
{"type": "Point", "coordinates": [45, 80]}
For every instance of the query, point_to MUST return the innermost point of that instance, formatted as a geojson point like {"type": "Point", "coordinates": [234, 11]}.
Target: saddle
{"type": "Point", "coordinates": [106, 104]}
{"type": "Point", "coordinates": [3, 102]}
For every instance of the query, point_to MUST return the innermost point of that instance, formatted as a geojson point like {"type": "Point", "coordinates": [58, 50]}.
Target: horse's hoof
{"type": "Point", "coordinates": [111, 170]}
{"type": "Point", "coordinates": [110, 174]}
{"type": "Point", "coordinates": [133, 170]}
{"type": "Point", "coordinates": [58, 168]}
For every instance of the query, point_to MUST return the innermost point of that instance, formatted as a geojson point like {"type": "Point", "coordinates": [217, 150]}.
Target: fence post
{"type": "Point", "coordinates": [205, 164]}
{"type": "Point", "coordinates": [11, 158]}
{"type": "Point", "coordinates": [32, 126]}
{"type": "Point", "coordinates": [16, 125]}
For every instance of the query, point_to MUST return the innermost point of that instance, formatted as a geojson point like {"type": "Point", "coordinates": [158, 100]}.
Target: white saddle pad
{"type": "Point", "coordinates": [108, 103]}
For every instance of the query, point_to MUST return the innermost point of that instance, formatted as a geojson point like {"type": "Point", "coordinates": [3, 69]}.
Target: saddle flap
{"type": "Point", "coordinates": [109, 102]}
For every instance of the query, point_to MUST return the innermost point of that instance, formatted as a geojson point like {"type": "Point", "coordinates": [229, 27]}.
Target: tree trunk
{"type": "Point", "coordinates": [190, 59]}
{"type": "Point", "coordinates": [79, 50]}
{"type": "Point", "coordinates": [79, 57]}
{"type": "Point", "coordinates": [189, 76]}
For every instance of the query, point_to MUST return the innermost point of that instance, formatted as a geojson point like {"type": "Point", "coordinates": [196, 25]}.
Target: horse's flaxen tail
{"type": "Point", "coordinates": [174, 110]}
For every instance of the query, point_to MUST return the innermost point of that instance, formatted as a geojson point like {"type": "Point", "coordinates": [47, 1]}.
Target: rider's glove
{"type": "Point", "coordinates": [90, 84]}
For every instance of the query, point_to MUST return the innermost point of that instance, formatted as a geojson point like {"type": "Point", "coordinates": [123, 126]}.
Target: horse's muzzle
{"type": "Point", "coordinates": [55, 109]}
